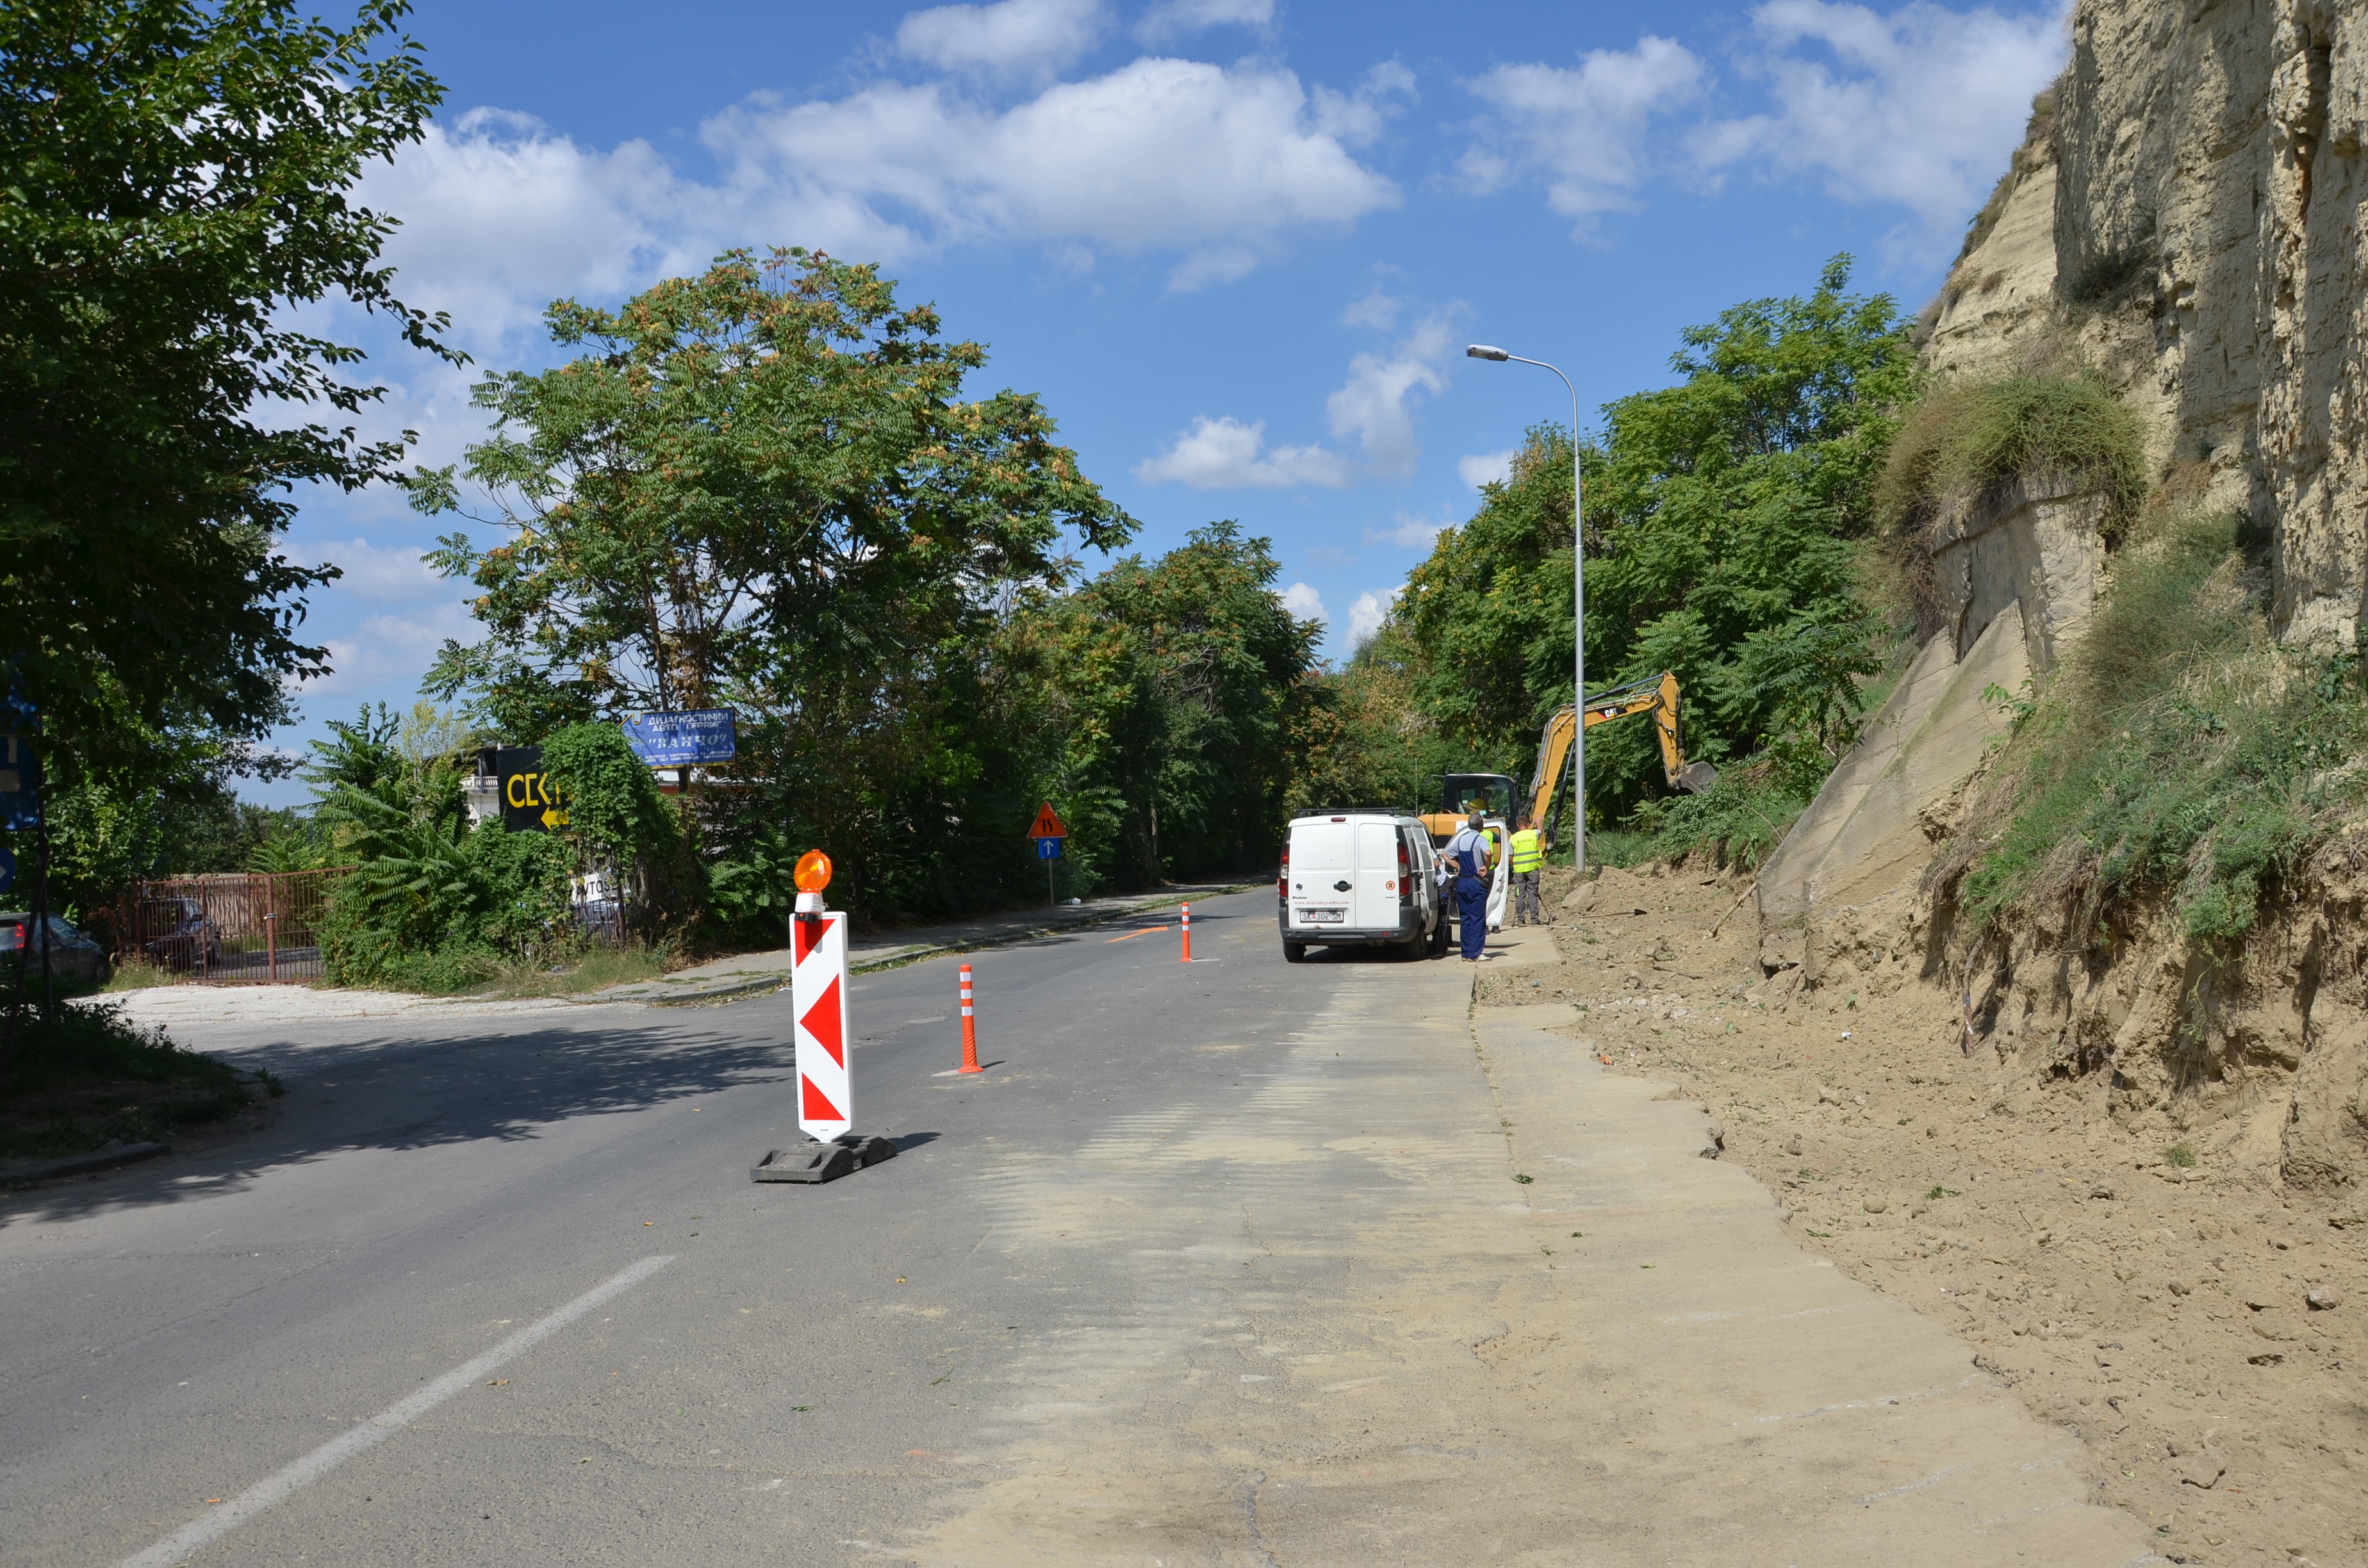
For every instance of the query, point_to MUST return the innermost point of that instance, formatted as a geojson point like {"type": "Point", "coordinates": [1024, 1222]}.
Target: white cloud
{"type": "Point", "coordinates": [1225, 454]}
{"type": "Point", "coordinates": [1012, 38]}
{"type": "Point", "coordinates": [1365, 617]}
{"type": "Point", "coordinates": [1582, 131]}
{"type": "Point", "coordinates": [1306, 604]}
{"type": "Point", "coordinates": [1376, 310]}
{"type": "Point", "coordinates": [1180, 19]}
{"type": "Point", "coordinates": [1357, 118]}
{"type": "Point", "coordinates": [1919, 107]}
{"type": "Point", "coordinates": [388, 652]}
{"type": "Point", "coordinates": [1160, 153]}
{"type": "Point", "coordinates": [1409, 528]}
{"type": "Point", "coordinates": [501, 214]}
{"type": "Point", "coordinates": [395, 575]}
{"type": "Point", "coordinates": [1485, 468]}
{"type": "Point", "coordinates": [1371, 404]}
{"type": "Point", "coordinates": [1217, 264]}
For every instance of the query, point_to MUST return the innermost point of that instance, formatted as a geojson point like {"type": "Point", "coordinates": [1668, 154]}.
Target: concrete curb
{"type": "Point", "coordinates": [757, 984]}
{"type": "Point", "coordinates": [82, 1164]}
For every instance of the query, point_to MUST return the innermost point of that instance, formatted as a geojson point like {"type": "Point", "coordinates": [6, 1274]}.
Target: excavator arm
{"type": "Point", "coordinates": [1657, 695]}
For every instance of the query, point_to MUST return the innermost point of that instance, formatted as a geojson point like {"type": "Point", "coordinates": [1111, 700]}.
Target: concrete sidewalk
{"type": "Point", "coordinates": [749, 973]}
{"type": "Point", "coordinates": [1437, 1289]}
{"type": "Point", "coordinates": [721, 980]}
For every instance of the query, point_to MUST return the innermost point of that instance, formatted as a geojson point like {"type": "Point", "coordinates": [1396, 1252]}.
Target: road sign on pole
{"type": "Point", "coordinates": [1048, 832]}
{"type": "Point", "coordinates": [21, 783]}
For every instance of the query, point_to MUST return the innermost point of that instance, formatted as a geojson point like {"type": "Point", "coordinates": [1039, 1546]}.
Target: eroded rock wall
{"type": "Point", "coordinates": [2208, 212]}
{"type": "Point", "coordinates": [2189, 217]}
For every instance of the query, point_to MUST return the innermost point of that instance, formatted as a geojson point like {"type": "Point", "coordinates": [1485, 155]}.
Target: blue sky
{"type": "Point", "coordinates": [1236, 245]}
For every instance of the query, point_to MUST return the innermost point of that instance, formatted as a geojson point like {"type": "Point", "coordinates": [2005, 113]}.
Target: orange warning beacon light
{"type": "Point", "coordinates": [813, 874]}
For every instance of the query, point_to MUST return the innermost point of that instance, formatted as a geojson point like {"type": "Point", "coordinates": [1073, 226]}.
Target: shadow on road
{"type": "Point", "coordinates": [398, 1094]}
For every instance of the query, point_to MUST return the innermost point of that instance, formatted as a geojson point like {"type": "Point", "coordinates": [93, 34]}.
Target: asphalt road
{"type": "Point", "coordinates": [787, 1387]}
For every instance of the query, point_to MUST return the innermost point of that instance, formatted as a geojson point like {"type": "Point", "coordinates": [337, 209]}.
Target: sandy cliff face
{"type": "Point", "coordinates": [2187, 217]}
{"type": "Point", "coordinates": [2209, 198]}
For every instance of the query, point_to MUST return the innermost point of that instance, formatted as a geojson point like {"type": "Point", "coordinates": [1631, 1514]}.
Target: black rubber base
{"type": "Point", "coordinates": [814, 1161]}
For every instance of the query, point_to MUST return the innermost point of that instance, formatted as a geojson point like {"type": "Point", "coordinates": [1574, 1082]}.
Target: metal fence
{"type": "Point", "coordinates": [235, 929]}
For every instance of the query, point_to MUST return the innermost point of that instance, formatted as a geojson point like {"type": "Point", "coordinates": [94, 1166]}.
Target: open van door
{"type": "Point", "coordinates": [1376, 899]}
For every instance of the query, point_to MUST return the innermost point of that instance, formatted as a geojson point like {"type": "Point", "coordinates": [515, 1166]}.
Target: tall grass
{"type": "Point", "coordinates": [2178, 750]}
{"type": "Point", "coordinates": [560, 968]}
{"type": "Point", "coordinates": [1963, 437]}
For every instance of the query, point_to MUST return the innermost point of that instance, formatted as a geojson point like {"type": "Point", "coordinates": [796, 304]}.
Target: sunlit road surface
{"type": "Point", "coordinates": [1226, 1262]}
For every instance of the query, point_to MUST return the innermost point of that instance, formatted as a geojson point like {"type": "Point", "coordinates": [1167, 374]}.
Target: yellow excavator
{"type": "Point", "coordinates": [1656, 695]}
{"type": "Point", "coordinates": [1491, 794]}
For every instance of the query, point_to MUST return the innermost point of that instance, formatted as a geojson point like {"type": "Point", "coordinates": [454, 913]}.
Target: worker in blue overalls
{"type": "Point", "coordinates": [1471, 849]}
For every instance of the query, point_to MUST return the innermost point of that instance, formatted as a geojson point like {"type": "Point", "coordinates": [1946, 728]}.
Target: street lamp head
{"type": "Point", "coordinates": [1486, 351]}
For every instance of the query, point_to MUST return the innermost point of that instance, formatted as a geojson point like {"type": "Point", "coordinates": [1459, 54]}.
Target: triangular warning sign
{"type": "Point", "coordinates": [817, 1106]}
{"type": "Point", "coordinates": [1047, 825]}
{"type": "Point", "coordinates": [822, 1022]}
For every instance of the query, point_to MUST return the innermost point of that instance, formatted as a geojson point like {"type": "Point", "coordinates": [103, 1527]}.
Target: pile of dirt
{"type": "Point", "coordinates": [2200, 1323]}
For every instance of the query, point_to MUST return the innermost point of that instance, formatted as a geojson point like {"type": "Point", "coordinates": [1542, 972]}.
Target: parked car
{"type": "Point", "coordinates": [1359, 878]}
{"type": "Point", "coordinates": [73, 956]}
{"type": "Point", "coordinates": [178, 934]}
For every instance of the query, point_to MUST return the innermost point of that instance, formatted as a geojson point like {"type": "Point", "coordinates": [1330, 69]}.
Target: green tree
{"type": "Point", "coordinates": [762, 487]}
{"type": "Point", "coordinates": [758, 486]}
{"type": "Point", "coordinates": [1727, 521]}
{"type": "Point", "coordinates": [1169, 694]}
{"type": "Point", "coordinates": [175, 188]}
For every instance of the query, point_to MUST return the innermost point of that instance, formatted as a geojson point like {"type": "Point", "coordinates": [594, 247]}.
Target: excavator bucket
{"type": "Point", "coordinates": [1696, 777]}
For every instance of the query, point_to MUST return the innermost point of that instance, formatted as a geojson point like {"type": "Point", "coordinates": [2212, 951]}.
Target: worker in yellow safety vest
{"type": "Point", "coordinates": [1527, 853]}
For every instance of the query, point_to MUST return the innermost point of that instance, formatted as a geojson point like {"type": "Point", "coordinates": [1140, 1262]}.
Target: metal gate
{"type": "Point", "coordinates": [234, 928]}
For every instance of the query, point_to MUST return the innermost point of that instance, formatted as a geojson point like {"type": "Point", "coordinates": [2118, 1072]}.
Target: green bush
{"type": "Point", "coordinates": [2179, 750]}
{"type": "Point", "coordinates": [84, 1076]}
{"type": "Point", "coordinates": [430, 908]}
{"type": "Point", "coordinates": [1739, 821]}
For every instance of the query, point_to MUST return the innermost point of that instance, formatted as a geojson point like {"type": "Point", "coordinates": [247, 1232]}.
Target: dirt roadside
{"type": "Point", "coordinates": [2203, 1330]}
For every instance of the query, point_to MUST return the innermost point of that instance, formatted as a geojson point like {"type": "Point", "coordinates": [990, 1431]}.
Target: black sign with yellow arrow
{"type": "Point", "coordinates": [532, 802]}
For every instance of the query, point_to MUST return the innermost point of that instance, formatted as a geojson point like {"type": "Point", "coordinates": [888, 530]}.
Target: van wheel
{"type": "Point", "coordinates": [1413, 947]}
{"type": "Point", "coordinates": [1294, 952]}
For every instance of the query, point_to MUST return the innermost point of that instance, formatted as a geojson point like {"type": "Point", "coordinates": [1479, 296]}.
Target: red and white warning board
{"type": "Point", "coordinates": [818, 999]}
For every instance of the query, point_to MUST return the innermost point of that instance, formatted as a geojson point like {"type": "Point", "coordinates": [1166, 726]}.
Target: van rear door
{"type": "Point", "coordinates": [1376, 906]}
{"type": "Point", "coordinates": [1322, 855]}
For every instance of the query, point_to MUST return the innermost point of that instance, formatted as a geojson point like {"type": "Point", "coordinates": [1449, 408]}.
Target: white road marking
{"type": "Point", "coordinates": [278, 1488]}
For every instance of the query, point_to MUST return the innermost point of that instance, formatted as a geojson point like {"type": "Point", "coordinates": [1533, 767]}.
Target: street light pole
{"type": "Point", "coordinates": [1578, 609]}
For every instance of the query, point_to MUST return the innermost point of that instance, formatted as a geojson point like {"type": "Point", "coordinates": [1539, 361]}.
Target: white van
{"type": "Point", "coordinates": [1359, 878]}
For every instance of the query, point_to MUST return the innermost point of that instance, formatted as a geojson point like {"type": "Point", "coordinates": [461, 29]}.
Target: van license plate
{"type": "Point", "coordinates": [1324, 917]}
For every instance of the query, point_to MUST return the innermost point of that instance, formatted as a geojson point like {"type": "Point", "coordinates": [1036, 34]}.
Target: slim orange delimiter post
{"type": "Point", "coordinates": [1187, 954]}
{"type": "Point", "coordinates": [970, 1028]}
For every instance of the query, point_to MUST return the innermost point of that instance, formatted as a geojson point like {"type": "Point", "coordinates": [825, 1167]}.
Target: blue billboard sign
{"type": "Point", "coordinates": [680, 740]}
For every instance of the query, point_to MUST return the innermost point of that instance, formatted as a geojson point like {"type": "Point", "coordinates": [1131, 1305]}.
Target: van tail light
{"type": "Point", "coordinates": [1282, 878]}
{"type": "Point", "coordinates": [1406, 876]}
